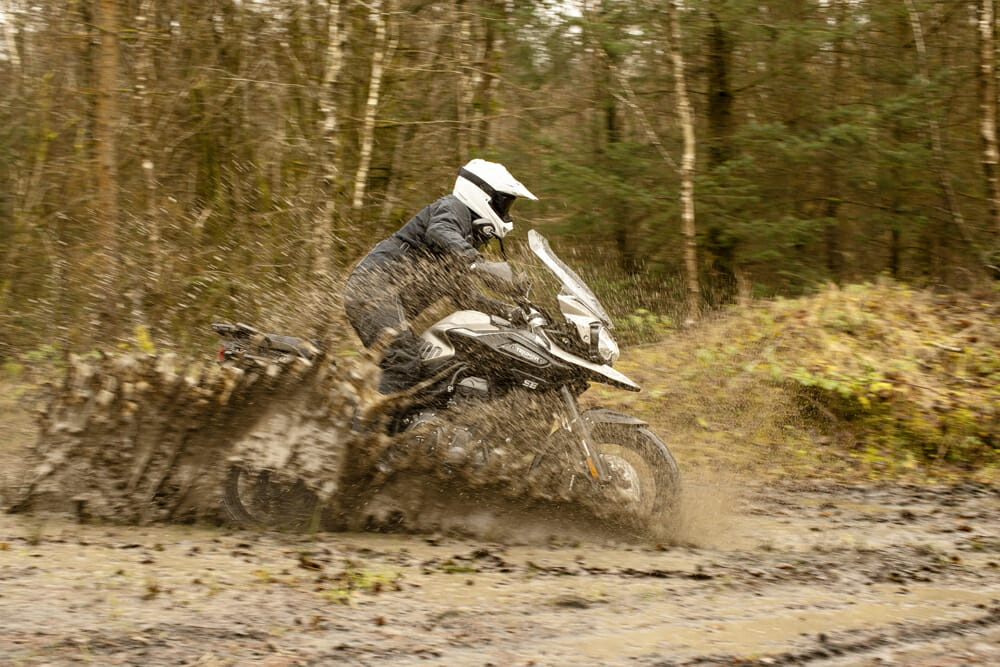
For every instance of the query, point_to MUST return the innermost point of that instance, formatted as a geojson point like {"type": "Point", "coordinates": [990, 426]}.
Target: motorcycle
{"type": "Point", "coordinates": [535, 366]}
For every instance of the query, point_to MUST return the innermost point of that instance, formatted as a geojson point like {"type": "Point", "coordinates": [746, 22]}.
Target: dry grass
{"type": "Point", "coordinates": [878, 380]}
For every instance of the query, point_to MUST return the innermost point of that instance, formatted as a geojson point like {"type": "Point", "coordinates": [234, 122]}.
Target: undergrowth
{"type": "Point", "coordinates": [877, 378]}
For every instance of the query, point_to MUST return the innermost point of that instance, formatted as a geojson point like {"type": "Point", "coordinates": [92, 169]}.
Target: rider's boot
{"type": "Point", "coordinates": [401, 364]}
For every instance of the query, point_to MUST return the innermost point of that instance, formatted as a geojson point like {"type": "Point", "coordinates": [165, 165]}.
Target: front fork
{"type": "Point", "coordinates": [578, 427]}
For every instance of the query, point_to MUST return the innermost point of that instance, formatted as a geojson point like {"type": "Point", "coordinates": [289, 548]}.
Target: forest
{"type": "Point", "coordinates": [165, 164]}
{"type": "Point", "coordinates": [790, 209]}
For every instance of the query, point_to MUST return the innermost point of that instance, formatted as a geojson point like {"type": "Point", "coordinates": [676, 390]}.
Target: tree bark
{"type": "Point", "coordinates": [384, 46]}
{"type": "Point", "coordinates": [403, 135]}
{"type": "Point", "coordinates": [934, 128]}
{"type": "Point", "coordinates": [486, 104]}
{"type": "Point", "coordinates": [720, 94]}
{"type": "Point", "coordinates": [718, 246]}
{"type": "Point", "coordinates": [144, 104]}
{"type": "Point", "coordinates": [686, 119]}
{"type": "Point", "coordinates": [323, 227]}
{"type": "Point", "coordinates": [988, 114]}
{"type": "Point", "coordinates": [10, 43]}
{"type": "Point", "coordinates": [107, 172]}
{"type": "Point", "coordinates": [467, 80]}
{"type": "Point", "coordinates": [833, 240]}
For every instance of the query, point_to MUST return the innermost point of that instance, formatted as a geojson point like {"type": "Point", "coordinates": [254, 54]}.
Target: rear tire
{"type": "Point", "coordinates": [259, 499]}
{"type": "Point", "coordinates": [641, 467]}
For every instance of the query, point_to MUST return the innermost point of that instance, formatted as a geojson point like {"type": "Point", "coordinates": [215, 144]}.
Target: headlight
{"type": "Point", "coordinates": [607, 347]}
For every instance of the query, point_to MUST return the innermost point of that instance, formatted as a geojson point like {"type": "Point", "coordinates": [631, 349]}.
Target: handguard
{"type": "Point", "coordinates": [497, 276]}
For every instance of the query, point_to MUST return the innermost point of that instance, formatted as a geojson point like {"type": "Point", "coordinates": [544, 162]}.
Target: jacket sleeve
{"type": "Point", "coordinates": [446, 232]}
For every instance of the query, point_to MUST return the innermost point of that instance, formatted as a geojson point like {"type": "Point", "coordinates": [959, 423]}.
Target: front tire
{"type": "Point", "coordinates": [642, 469]}
{"type": "Point", "coordinates": [260, 499]}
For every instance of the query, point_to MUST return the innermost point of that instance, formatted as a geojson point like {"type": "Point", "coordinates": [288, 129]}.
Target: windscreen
{"type": "Point", "coordinates": [571, 282]}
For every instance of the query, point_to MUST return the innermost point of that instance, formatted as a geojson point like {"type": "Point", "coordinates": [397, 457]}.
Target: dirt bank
{"type": "Point", "coordinates": [786, 574]}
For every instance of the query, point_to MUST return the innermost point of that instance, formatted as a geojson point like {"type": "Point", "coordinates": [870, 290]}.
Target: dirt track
{"type": "Point", "coordinates": [789, 575]}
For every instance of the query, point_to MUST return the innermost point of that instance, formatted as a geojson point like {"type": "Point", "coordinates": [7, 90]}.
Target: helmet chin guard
{"type": "Point", "coordinates": [489, 190]}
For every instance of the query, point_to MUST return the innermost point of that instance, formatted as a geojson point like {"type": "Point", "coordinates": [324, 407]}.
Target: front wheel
{"type": "Point", "coordinates": [642, 470]}
{"type": "Point", "coordinates": [261, 499]}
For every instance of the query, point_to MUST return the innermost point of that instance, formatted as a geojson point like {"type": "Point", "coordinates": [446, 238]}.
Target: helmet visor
{"type": "Point", "coordinates": [501, 203]}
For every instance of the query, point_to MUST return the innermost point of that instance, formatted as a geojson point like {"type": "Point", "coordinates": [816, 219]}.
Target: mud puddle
{"type": "Point", "coordinates": [780, 575]}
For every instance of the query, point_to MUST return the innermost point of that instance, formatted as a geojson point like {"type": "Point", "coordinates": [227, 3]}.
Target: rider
{"type": "Point", "coordinates": [428, 258]}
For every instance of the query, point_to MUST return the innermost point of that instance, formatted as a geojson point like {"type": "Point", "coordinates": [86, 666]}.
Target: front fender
{"type": "Point", "coordinates": [607, 416]}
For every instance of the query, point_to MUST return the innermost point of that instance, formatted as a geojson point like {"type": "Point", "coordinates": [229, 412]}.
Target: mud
{"type": "Point", "coordinates": [137, 439]}
{"type": "Point", "coordinates": [134, 439]}
{"type": "Point", "coordinates": [787, 574]}
{"type": "Point", "coordinates": [117, 555]}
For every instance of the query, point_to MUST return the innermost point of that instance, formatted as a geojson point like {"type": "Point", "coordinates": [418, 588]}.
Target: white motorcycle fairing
{"type": "Point", "coordinates": [580, 308]}
{"type": "Point", "coordinates": [437, 347]}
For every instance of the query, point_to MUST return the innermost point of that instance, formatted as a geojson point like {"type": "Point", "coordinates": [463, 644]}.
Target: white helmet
{"type": "Point", "coordinates": [489, 190]}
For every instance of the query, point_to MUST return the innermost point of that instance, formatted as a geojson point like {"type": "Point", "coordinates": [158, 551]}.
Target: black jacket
{"type": "Point", "coordinates": [427, 259]}
{"type": "Point", "coordinates": [443, 228]}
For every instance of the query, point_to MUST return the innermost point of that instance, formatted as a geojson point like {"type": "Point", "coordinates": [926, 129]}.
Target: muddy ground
{"type": "Point", "coordinates": [778, 574]}
{"type": "Point", "coordinates": [747, 573]}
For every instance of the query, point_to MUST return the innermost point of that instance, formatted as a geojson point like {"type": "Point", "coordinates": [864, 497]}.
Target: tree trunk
{"type": "Point", "coordinates": [988, 115]}
{"type": "Point", "coordinates": [686, 119]}
{"type": "Point", "coordinates": [403, 136]}
{"type": "Point", "coordinates": [107, 173]}
{"type": "Point", "coordinates": [934, 130]}
{"type": "Point", "coordinates": [10, 43]}
{"type": "Point", "coordinates": [384, 47]}
{"type": "Point", "coordinates": [467, 80]}
{"type": "Point", "coordinates": [718, 246]}
{"type": "Point", "coordinates": [608, 130]}
{"type": "Point", "coordinates": [720, 94]}
{"type": "Point", "coordinates": [143, 102]}
{"type": "Point", "coordinates": [489, 79]}
{"type": "Point", "coordinates": [323, 234]}
{"type": "Point", "coordinates": [833, 233]}
{"type": "Point", "coordinates": [895, 250]}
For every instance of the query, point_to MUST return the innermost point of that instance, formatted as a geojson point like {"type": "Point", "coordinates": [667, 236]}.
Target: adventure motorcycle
{"type": "Point", "coordinates": [480, 361]}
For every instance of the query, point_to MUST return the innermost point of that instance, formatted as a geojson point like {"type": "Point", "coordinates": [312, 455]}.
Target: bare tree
{"type": "Point", "coordinates": [384, 47]}
{"type": "Point", "coordinates": [330, 142]}
{"type": "Point", "coordinates": [686, 119]}
{"type": "Point", "coordinates": [144, 107]}
{"type": "Point", "coordinates": [933, 127]}
{"type": "Point", "coordinates": [988, 111]}
{"type": "Point", "coordinates": [107, 156]}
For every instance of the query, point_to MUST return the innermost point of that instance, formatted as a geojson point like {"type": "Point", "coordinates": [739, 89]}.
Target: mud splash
{"type": "Point", "coordinates": [138, 439]}
{"type": "Point", "coordinates": [135, 439]}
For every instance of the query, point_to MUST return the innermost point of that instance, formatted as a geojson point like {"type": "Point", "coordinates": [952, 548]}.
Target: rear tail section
{"type": "Point", "coordinates": [242, 342]}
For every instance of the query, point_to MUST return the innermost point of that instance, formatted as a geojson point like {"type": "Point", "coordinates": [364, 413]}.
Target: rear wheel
{"type": "Point", "coordinates": [262, 499]}
{"type": "Point", "coordinates": [642, 470]}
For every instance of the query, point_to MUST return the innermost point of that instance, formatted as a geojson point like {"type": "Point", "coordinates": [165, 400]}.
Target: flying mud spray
{"type": "Point", "coordinates": [146, 438]}
{"type": "Point", "coordinates": [284, 436]}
